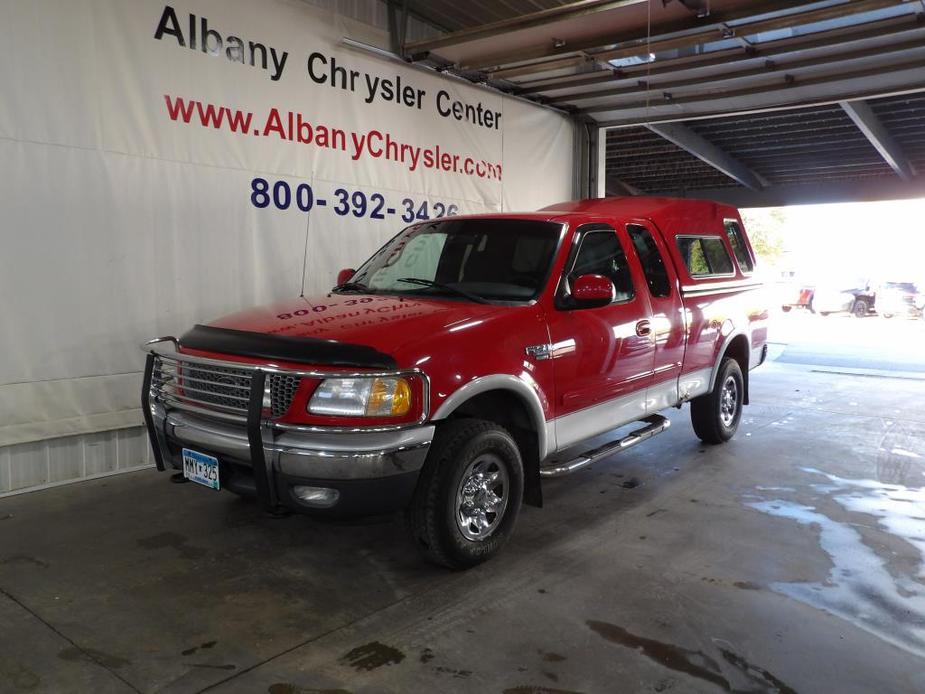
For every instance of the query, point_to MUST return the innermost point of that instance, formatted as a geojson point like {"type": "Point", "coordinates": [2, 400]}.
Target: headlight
{"type": "Point", "coordinates": [362, 397]}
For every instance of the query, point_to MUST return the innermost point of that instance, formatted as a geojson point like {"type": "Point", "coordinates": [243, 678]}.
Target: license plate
{"type": "Point", "coordinates": [200, 468]}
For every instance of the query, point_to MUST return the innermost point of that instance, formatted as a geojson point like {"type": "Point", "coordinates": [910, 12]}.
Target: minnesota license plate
{"type": "Point", "coordinates": [200, 468]}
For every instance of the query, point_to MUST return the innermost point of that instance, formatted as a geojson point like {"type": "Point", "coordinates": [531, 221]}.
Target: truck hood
{"type": "Point", "coordinates": [386, 323]}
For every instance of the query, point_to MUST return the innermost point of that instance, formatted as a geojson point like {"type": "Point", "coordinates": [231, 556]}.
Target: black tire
{"type": "Point", "coordinates": [436, 516]}
{"type": "Point", "coordinates": [824, 313]}
{"type": "Point", "coordinates": [710, 412]}
{"type": "Point", "coordinates": [887, 315]}
{"type": "Point", "coordinates": [786, 309]}
{"type": "Point", "coordinates": [860, 308]}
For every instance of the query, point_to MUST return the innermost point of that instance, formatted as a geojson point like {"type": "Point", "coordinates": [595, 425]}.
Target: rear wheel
{"type": "Point", "coordinates": [715, 416]}
{"type": "Point", "coordinates": [469, 494]}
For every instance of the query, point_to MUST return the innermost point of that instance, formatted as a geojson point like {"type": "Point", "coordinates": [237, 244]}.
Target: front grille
{"type": "Point", "coordinates": [224, 390]}
{"type": "Point", "coordinates": [282, 391]}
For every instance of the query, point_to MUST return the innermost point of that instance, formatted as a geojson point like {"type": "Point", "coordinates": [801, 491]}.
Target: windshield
{"type": "Point", "coordinates": [468, 259]}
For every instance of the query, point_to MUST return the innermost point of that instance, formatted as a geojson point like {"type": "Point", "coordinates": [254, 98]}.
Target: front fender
{"type": "Point", "coordinates": [527, 392]}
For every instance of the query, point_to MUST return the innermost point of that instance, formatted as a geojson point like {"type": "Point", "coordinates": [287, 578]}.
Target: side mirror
{"type": "Point", "coordinates": [589, 291]}
{"type": "Point", "coordinates": [344, 275]}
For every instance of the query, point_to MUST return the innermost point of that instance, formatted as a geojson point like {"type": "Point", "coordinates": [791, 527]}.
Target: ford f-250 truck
{"type": "Point", "coordinates": [466, 361]}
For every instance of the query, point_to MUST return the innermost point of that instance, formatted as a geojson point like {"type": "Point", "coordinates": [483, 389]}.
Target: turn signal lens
{"type": "Point", "coordinates": [401, 401]}
{"type": "Point", "coordinates": [362, 397]}
{"type": "Point", "coordinates": [389, 397]}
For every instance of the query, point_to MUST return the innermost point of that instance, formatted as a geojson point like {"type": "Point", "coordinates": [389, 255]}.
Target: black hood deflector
{"type": "Point", "coordinates": [302, 350]}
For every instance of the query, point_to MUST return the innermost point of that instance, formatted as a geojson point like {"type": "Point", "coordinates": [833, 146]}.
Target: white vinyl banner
{"type": "Point", "coordinates": [163, 164]}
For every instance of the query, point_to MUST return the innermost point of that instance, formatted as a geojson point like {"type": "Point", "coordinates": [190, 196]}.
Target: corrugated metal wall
{"type": "Point", "coordinates": [375, 14]}
{"type": "Point", "coordinates": [48, 463]}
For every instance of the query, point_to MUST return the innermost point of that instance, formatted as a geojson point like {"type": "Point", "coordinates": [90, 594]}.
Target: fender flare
{"type": "Point", "coordinates": [506, 382]}
{"type": "Point", "coordinates": [722, 352]}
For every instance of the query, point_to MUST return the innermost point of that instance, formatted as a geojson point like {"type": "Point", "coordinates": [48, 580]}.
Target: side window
{"type": "Point", "coordinates": [739, 247]}
{"type": "Point", "coordinates": [705, 255]}
{"type": "Point", "coordinates": [653, 265]}
{"type": "Point", "coordinates": [600, 253]}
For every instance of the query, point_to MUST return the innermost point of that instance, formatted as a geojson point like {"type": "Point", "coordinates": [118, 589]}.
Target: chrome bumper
{"type": "Point", "coordinates": [359, 463]}
{"type": "Point", "coordinates": [317, 455]}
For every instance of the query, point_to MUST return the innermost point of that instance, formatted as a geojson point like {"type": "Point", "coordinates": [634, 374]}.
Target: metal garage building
{"type": "Point", "coordinates": [136, 203]}
{"type": "Point", "coordinates": [756, 104]}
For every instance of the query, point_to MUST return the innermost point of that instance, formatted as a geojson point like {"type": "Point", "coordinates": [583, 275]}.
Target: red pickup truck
{"type": "Point", "coordinates": [466, 361]}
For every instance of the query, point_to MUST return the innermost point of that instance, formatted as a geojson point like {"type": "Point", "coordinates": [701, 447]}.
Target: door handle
{"type": "Point", "coordinates": [643, 328]}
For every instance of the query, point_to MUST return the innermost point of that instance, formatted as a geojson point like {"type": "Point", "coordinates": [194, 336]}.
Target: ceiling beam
{"type": "Point", "coordinates": [791, 105]}
{"type": "Point", "coordinates": [770, 68]}
{"type": "Point", "coordinates": [893, 26]}
{"type": "Point", "coordinates": [629, 43]}
{"type": "Point", "coordinates": [752, 27]}
{"type": "Point", "coordinates": [781, 85]}
{"type": "Point", "coordinates": [504, 26]}
{"type": "Point", "coordinates": [874, 130]}
{"type": "Point", "coordinates": [707, 152]}
{"type": "Point", "coordinates": [636, 36]}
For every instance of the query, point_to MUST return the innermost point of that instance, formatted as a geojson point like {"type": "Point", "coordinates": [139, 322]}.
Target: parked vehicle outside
{"type": "Point", "coordinates": [857, 300]}
{"type": "Point", "coordinates": [794, 294]}
{"type": "Point", "coordinates": [901, 299]}
{"type": "Point", "coordinates": [465, 362]}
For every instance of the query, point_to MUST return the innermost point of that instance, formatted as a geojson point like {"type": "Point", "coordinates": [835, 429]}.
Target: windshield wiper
{"type": "Point", "coordinates": [446, 287]}
{"type": "Point", "coordinates": [351, 287]}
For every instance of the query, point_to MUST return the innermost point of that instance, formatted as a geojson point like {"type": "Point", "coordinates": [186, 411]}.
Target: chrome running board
{"type": "Point", "coordinates": [655, 424]}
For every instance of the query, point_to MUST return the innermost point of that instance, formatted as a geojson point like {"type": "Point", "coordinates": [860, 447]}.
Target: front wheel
{"type": "Point", "coordinates": [860, 308]}
{"type": "Point", "coordinates": [469, 494]}
{"type": "Point", "coordinates": [716, 415]}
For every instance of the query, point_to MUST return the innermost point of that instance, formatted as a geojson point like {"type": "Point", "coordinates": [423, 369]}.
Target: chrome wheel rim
{"type": "Point", "coordinates": [481, 497]}
{"type": "Point", "coordinates": [729, 401]}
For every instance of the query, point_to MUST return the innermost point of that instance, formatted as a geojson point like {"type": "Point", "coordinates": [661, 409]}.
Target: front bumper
{"type": "Point", "coordinates": [371, 471]}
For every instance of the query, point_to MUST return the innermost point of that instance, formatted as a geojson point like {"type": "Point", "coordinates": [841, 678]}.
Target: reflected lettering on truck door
{"type": "Point", "coordinates": [668, 326]}
{"type": "Point", "coordinates": [601, 379]}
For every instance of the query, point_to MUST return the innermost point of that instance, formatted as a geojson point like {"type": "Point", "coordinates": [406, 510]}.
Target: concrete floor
{"type": "Point", "coordinates": [789, 560]}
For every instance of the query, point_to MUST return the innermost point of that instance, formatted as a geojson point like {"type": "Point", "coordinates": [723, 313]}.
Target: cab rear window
{"type": "Point", "coordinates": [737, 241]}
{"type": "Point", "coordinates": [705, 256]}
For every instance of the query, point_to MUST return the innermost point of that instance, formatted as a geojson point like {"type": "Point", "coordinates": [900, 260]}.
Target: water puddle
{"type": "Point", "coordinates": [696, 664]}
{"type": "Point", "coordinates": [860, 586]}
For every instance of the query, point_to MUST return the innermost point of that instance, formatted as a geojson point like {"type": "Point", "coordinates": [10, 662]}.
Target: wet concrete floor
{"type": "Point", "coordinates": [789, 560]}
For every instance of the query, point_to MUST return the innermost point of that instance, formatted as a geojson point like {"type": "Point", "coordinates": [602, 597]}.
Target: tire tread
{"type": "Point", "coordinates": [704, 415]}
{"type": "Point", "coordinates": [425, 510]}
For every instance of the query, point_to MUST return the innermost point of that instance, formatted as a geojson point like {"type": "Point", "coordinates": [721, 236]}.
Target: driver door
{"type": "Point", "coordinates": [603, 356]}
